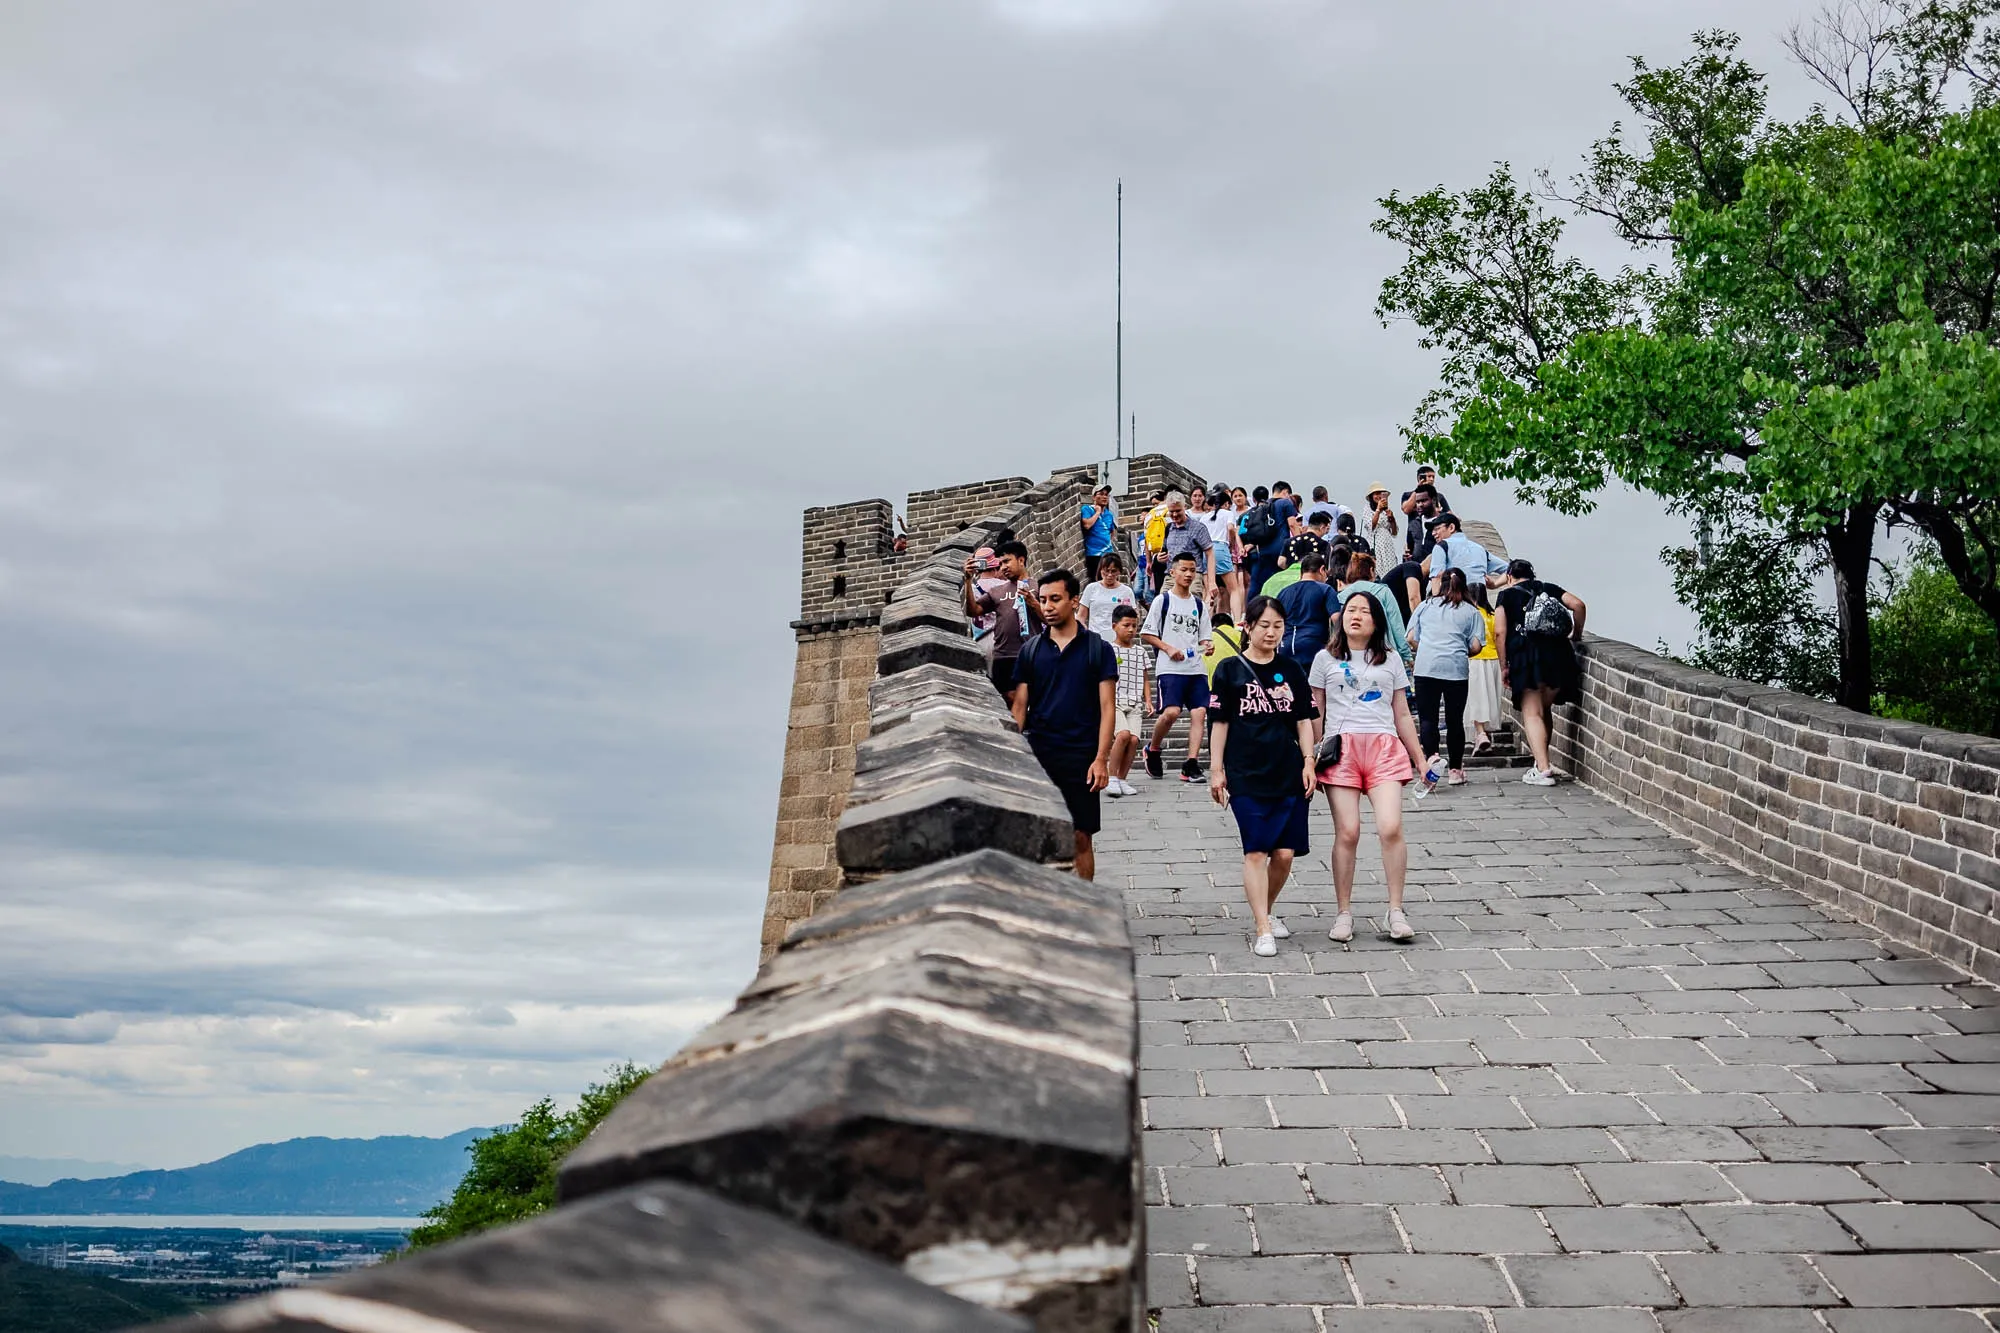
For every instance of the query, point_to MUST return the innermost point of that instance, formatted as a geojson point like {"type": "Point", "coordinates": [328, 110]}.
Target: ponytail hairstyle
{"type": "Point", "coordinates": [1453, 587]}
{"type": "Point", "coordinates": [1520, 570]}
{"type": "Point", "coordinates": [1361, 568]}
{"type": "Point", "coordinates": [1377, 647]}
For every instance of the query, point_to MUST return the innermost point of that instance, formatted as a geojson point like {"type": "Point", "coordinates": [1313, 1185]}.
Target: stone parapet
{"type": "Point", "coordinates": [937, 1069]}
{"type": "Point", "coordinates": [661, 1257]}
{"type": "Point", "coordinates": [1893, 823]}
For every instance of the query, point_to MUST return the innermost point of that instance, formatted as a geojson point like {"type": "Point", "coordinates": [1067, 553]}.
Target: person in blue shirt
{"type": "Point", "coordinates": [1447, 632]}
{"type": "Point", "coordinates": [1100, 531]}
{"type": "Point", "coordinates": [1452, 549]}
{"type": "Point", "coordinates": [1308, 606]}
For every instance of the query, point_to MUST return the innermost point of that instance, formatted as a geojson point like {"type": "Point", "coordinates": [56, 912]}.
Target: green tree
{"type": "Point", "coordinates": [1750, 586]}
{"type": "Point", "coordinates": [1815, 342]}
{"type": "Point", "coordinates": [1940, 655]}
{"type": "Point", "coordinates": [513, 1171]}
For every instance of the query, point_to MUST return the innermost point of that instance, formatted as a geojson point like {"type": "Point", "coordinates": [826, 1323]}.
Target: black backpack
{"type": "Point", "coordinates": [1260, 525]}
{"type": "Point", "coordinates": [1546, 614]}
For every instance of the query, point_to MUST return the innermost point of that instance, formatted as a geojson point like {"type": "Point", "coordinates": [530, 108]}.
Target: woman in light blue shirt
{"type": "Point", "coordinates": [1446, 630]}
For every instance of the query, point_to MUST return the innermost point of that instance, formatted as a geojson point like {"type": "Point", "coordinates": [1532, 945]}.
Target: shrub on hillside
{"type": "Point", "coordinates": [513, 1171]}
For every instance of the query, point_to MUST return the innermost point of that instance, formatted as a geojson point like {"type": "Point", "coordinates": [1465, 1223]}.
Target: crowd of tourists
{"type": "Point", "coordinates": [1312, 647]}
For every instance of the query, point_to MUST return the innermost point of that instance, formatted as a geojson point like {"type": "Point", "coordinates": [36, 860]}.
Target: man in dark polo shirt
{"type": "Point", "coordinates": [1064, 699]}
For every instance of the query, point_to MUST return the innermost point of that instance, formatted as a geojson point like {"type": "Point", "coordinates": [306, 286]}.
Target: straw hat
{"type": "Point", "coordinates": [1375, 486]}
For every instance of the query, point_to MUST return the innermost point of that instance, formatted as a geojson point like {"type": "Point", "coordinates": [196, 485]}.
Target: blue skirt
{"type": "Point", "coordinates": [1272, 825]}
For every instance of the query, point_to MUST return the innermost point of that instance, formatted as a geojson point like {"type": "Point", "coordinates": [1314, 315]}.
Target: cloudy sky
{"type": "Point", "coordinates": [406, 410]}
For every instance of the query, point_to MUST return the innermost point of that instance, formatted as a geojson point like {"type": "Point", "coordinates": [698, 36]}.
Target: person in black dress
{"type": "Point", "coordinates": [1538, 657]}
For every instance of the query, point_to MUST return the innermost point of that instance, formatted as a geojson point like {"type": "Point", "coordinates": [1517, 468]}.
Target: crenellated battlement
{"type": "Point", "coordinates": [849, 561]}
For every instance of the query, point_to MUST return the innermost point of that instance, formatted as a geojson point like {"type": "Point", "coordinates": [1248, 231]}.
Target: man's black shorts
{"type": "Point", "coordinates": [1071, 774]}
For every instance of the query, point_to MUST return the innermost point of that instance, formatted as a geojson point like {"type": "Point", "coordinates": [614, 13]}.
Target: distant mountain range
{"type": "Point", "coordinates": [396, 1176]}
{"type": "Point", "coordinates": [48, 1170]}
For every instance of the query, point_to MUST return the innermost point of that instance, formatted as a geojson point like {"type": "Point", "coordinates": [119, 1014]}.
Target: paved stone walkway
{"type": "Point", "coordinates": [1613, 1088]}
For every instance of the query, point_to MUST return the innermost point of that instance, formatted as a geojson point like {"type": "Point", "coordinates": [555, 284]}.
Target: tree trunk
{"type": "Point", "coordinates": [1852, 546]}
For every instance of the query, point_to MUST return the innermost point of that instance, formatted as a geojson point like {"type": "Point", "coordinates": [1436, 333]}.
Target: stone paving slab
{"type": "Point", "coordinates": [1614, 1087]}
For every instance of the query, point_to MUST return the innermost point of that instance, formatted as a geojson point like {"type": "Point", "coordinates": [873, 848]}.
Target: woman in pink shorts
{"type": "Point", "coordinates": [1358, 686]}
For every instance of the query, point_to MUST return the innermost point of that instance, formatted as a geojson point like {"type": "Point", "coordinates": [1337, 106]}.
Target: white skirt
{"type": "Point", "coordinates": [1482, 692]}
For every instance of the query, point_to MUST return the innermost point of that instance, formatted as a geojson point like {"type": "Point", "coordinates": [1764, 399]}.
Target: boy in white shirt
{"type": "Point", "coordinates": [1178, 626]}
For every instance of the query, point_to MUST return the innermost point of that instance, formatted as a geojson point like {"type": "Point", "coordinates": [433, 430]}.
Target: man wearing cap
{"type": "Point", "coordinates": [1100, 530]}
{"type": "Point", "coordinates": [1452, 549]}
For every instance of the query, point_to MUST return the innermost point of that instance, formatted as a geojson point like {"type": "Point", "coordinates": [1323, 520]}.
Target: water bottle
{"type": "Point", "coordinates": [1432, 776]}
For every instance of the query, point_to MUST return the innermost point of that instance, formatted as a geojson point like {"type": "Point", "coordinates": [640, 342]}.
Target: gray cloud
{"type": "Point", "coordinates": [407, 411]}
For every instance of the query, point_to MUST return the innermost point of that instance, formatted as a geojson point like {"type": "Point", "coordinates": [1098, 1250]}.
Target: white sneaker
{"type": "Point", "coordinates": [1278, 929]}
{"type": "Point", "coordinates": [1343, 928]}
{"type": "Point", "coordinates": [1534, 777]}
{"type": "Point", "coordinates": [1400, 929]}
{"type": "Point", "coordinates": [1266, 947]}
{"type": "Point", "coordinates": [1115, 787]}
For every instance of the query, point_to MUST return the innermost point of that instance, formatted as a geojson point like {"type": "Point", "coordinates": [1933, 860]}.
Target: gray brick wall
{"type": "Point", "coordinates": [934, 515]}
{"type": "Point", "coordinates": [1896, 824]}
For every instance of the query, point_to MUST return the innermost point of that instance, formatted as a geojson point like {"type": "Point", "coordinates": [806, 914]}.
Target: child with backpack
{"type": "Point", "coordinates": [1539, 625]}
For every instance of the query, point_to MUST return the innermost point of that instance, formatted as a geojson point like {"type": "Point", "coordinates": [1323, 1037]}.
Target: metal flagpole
{"type": "Point", "coordinates": [1119, 373]}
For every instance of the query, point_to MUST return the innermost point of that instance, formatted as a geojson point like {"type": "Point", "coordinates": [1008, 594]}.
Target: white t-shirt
{"type": "Point", "coordinates": [1099, 601]}
{"type": "Point", "coordinates": [1360, 698]}
{"type": "Point", "coordinates": [1183, 623]}
{"type": "Point", "coordinates": [1221, 524]}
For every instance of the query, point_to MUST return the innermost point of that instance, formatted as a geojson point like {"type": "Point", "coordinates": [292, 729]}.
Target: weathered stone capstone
{"type": "Point", "coordinates": [939, 1069]}
{"type": "Point", "coordinates": [658, 1258]}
